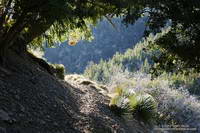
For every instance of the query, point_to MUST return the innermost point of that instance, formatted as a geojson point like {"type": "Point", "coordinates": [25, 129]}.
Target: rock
{"type": "Point", "coordinates": [2, 130]}
{"type": "Point", "coordinates": [4, 116]}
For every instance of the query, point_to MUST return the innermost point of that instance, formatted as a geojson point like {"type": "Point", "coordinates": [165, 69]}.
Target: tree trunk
{"type": "Point", "coordinates": [18, 47]}
{"type": "Point", "coordinates": [3, 56]}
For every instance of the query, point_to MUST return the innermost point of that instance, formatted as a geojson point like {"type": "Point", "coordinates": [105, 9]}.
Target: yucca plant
{"type": "Point", "coordinates": [143, 107]}
{"type": "Point", "coordinates": [119, 103]}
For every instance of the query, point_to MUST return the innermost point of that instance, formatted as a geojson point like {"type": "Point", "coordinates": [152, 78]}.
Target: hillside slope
{"type": "Point", "coordinates": [33, 101]}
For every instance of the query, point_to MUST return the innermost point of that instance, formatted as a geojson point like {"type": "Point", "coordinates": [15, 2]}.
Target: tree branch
{"type": "Point", "coordinates": [3, 15]}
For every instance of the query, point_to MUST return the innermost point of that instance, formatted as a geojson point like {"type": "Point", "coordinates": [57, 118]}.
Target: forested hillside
{"type": "Point", "coordinates": [133, 75]}
{"type": "Point", "coordinates": [108, 39]}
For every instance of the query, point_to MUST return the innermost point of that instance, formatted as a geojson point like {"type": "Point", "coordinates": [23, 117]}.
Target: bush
{"type": "Point", "coordinates": [59, 70]}
{"type": "Point", "coordinates": [175, 105]}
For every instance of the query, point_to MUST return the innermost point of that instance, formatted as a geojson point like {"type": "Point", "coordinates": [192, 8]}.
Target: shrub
{"type": "Point", "coordinates": [59, 70]}
{"type": "Point", "coordinates": [175, 105]}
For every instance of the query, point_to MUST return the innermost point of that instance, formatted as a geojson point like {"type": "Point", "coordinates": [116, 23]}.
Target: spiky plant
{"type": "Point", "coordinates": [119, 103]}
{"type": "Point", "coordinates": [143, 107]}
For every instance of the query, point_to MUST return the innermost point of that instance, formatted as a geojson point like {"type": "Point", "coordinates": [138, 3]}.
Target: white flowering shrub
{"type": "Point", "coordinates": [175, 105]}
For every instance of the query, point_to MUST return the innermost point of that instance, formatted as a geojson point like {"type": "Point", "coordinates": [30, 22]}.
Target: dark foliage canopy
{"type": "Point", "coordinates": [182, 43]}
{"type": "Point", "coordinates": [23, 22]}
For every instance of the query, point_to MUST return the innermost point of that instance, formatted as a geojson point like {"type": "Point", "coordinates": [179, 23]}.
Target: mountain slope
{"type": "Point", "coordinates": [107, 41]}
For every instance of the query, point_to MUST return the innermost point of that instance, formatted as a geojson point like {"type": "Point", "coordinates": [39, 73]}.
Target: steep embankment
{"type": "Point", "coordinates": [33, 101]}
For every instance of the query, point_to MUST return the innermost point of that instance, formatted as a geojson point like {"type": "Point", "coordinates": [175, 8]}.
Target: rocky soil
{"type": "Point", "coordinates": [34, 101]}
